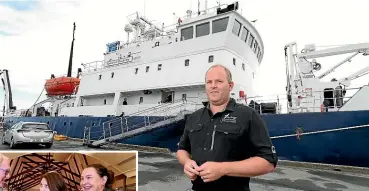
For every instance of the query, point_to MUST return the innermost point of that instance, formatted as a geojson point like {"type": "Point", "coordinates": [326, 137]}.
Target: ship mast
{"type": "Point", "coordinates": [71, 53]}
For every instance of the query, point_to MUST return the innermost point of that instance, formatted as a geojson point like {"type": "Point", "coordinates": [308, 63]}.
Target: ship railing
{"type": "Point", "coordinates": [308, 102]}
{"type": "Point", "coordinates": [313, 105]}
{"type": "Point", "coordinates": [152, 116]}
{"type": "Point", "coordinates": [93, 66]}
{"type": "Point", "coordinates": [99, 65]}
{"type": "Point", "coordinates": [161, 105]}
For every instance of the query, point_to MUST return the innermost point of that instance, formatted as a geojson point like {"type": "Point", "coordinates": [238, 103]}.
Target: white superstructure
{"type": "Point", "coordinates": [159, 65]}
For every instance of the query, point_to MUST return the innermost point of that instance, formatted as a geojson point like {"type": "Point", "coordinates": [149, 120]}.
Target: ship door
{"type": "Point", "coordinates": [167, 97]}
{"type": "Point", "coordinates": [328, 98]}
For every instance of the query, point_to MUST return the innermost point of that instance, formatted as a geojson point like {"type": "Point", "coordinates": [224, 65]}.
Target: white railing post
{"type": "Point", "coordinates": [121, 124]}
{"type": "Point", "coordinates": [104, 129]}
{"type": "Point", "coordinates": [126, 124]}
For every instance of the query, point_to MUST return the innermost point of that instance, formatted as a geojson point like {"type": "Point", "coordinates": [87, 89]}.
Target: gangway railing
{"type": "Point", "coordinates": [154, 117]}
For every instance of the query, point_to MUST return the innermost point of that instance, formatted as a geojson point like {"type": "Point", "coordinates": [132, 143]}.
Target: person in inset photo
{"type": "Point", "coordinates": [96, 177]}
{"type": "Point", "coordinates": [52, 181]}
{"type": "Point", "coordinates": [4, 171]}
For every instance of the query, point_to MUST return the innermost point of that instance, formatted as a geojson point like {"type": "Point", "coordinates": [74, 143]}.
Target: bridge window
{"type": "Point", "coordinates": [159, 66]}
{"type": "Point", "coordinates": [236, 27]}
{"type": "Point", "coordinates": [100, 77]}
{"type": "Point", "coordinates": [187, 33]}
{"type": "Point", "coordinates": [251, 40]}
{"type": "Point", "coordinates": [136, 71]}
{"type": "Point", "coordinates": [141, 100]}
{"type": "Point", "coordinates": [147, 68]}
{"type": "Point", "coordinates": [234, 61]}
{"type": "Point", "coordinates": [220, 25]}
{"type": "Point", "coordinates": [203, 29]}
{"type": "Point", "coordinates": [112, 75]}
{"type": "Point", "coordinates": [259, 56]}
{"type": "Point", "coordinates": [243, 66]}
{"type": "Point", "coordinates": [104, 101]}
{"type": "Point", "coordinates": [255, 46]}
{"type": "Point", "coordinates": [244, 34]}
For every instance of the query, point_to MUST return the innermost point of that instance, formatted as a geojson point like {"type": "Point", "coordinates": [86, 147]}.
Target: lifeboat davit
{"type": "Point", "coordinates": [62, 86]}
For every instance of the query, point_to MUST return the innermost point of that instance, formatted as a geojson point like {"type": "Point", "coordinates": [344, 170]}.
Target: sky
{"type": "Point", "coordinates": [35, 36]}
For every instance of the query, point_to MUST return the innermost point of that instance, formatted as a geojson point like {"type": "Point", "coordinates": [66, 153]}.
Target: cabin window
{"type": "Point", "coordinates": [202, 29]}
{"type": "Point", "coordinates": [141, 100]}
{"type": "Point", "coordinates": [100, 77]}
{"type": "Point", "coordinates": [104, 101]}
{"type": "Point", "coordinates": [243, 66]}
{"type": "Point", "coordinates": [136, 71]}
{"type": "Point", "coordinates": [255, 46]}
{"type": "Point", "coordinates": [187, 33]}
{"type": "Point", "coordinates": [244, 34]}
{"type": "Point", "coordinates": [112, 75]}
{"type": "Point", "coordinates": [234, 61]}
{"type": "Point", "coordinates": [211, 59]}
{"type": "Point", "coordinates": [147, 68]}
{"type": "Point", "coordinates": [251, 40]}
{"type": "Point", "coordinates": [184, 96]}
{"type": "Point", "coordinates": [159, 67]}
{"type": "Point", "coordinates": [236, 28]}
{"type": "Point", "coordinates": [220, 25]}
{"type": "Point", "coordinates": [187, 62]}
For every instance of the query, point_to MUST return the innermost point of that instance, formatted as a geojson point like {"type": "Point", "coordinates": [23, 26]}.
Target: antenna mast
{"type": "Point", "coordinates": [71, 53]}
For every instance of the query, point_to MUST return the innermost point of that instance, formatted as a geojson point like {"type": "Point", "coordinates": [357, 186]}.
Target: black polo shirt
{"type": "Point", "coordinates": [235, 134]}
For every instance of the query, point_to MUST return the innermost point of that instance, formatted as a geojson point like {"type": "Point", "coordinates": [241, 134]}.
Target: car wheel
{"type": "Point", "coordinates": [48, 145]}
{"type": "Point", "coordinates": [12, 145]}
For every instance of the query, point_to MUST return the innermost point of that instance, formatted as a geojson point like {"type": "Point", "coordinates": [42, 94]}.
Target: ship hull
{"type": "Point", "coordinates": [332, 145]}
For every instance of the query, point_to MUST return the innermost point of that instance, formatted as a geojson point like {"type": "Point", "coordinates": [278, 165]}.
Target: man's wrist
{"type": "Point", "coordinates": [224, 170]}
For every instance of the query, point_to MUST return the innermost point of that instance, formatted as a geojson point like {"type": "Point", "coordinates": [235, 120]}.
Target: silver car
{"type": "Point", "coordinates": [29, 132]}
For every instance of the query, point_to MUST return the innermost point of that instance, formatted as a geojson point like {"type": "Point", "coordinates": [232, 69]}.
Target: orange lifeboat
{"type": "Point", "coordinates": [62, 86]}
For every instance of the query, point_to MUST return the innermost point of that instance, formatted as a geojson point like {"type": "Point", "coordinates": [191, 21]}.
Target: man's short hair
{"type": "Point", "coordinates": [228, 72]}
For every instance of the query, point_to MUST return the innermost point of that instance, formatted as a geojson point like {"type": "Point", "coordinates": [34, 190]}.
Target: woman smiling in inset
{"type": "Point", "coordinates": [96, 177]}
{"type": "Point", "coordinates": [52, 181]}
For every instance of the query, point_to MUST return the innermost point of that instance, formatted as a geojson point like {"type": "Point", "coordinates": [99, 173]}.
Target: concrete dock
{"type": "Point", "coordinates": [162, 172]}
{"type": "Point", "coordinates": [159, 170]}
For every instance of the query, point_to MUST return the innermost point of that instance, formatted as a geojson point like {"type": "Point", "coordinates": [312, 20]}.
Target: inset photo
{"type": "Point", "coordinates": [65, 171]}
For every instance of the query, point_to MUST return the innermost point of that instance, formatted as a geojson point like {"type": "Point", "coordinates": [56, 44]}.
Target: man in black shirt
{"type": "Point", "coordinates": [224, 143]}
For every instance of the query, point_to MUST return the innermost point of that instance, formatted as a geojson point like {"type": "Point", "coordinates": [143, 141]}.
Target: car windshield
{"type": "Point", "coordinates": [35, 126]}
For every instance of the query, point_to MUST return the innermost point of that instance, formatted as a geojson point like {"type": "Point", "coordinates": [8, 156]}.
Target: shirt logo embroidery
{"type": "Point", "coordinates": [273, 150]}
{"type": "Point", "coordinates": [229, 119]}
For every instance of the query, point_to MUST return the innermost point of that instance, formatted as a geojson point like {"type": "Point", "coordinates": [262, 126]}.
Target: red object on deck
{"type": "Point", "coordinates": [62, 86]}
